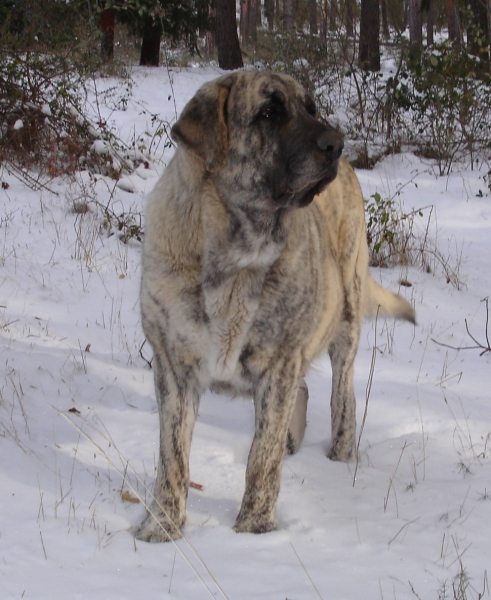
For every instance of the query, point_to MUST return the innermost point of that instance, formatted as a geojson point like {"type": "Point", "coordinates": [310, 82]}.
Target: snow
{"type": "Point", "coordinates": [78, 421]}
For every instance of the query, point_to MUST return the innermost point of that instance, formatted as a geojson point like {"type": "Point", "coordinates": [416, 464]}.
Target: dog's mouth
{"type": "Point", "coordinates": [306, 195]}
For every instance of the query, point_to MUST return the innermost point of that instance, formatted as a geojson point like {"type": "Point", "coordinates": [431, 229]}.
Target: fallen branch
{"type": "Point", "coordinates": [484, 347]}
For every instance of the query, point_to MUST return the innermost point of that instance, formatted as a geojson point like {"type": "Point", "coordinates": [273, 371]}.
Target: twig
{"type": "Point", "coordinates": [42, 543]}
{"type": "Point", "coordinates": [485, 347]}
{"type": "Point", "coordinates": [136, 493]}
{"type": "Point", "coordinates": [367, 395]}
{"type": "Point", "coordinates": [306, 572]}
{"type": "Point", "coordinates": [402, 528]}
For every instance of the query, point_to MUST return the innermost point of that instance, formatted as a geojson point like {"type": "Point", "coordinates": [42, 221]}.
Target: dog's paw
{"type": "Point", "coordinates": [249, 524]}
{"type": "Point", "coordinates": [342, 454]}
{"type": "Point", "coordinates": [157, 529]}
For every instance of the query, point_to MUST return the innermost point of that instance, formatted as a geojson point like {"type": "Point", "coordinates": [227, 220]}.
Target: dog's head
{"type": "Point", "coordinates": [258, 133]}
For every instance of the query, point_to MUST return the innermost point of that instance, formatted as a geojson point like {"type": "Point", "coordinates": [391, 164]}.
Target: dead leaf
{"type": "Point", "coordinates": [196, 486]}
{"type": "Point", "coordinates": [127, 497]}
{"type": "Point", "coordinates": [405, 283]}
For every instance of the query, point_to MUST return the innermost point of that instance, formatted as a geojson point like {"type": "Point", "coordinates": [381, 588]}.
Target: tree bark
{"type": "Point", "coordinates": [253, 15]}
{"type": "Point", "coordinates": [385, 20]}
{"type": "Point", "coordinates": [415, 26]}
{"type": "Point", "coordinates": [453, 21]}
{"type": "Point", "coordinates": [323, 20]}
{"type": "Point", "coordinates": [288, 15]}
{"type": "Point", "coordinates": [227, 40]}
{"type": "Point", "coordinates": [333, 15]}
{"type": "Point", "coordinates": [369, 52]}
{"type": "Point", "coordinates": [269, 11]}
{"type": "Point", "coordinates": [430, 23]}
{"type": "Point", "coordinates": [150, 48]}
{"type": "Point", "coordinates": [350, 17]}
{"type": "Point", "coordinates": [314, 30]}
{"type": "Point", "coordinates": [106, 22]}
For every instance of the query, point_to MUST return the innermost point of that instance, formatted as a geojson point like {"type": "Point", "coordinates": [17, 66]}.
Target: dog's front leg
{"type": "Point", "coordinates": [177, 400]}
{"type": "Point", "coordinates": [273, 400]}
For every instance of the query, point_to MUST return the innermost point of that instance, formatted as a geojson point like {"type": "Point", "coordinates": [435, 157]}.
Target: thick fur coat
{"type": "Point", "coordinates": [255, 261]}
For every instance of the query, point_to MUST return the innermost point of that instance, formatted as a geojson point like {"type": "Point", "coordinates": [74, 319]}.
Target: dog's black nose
{"type": "Point", "coordinates": [331, 142]}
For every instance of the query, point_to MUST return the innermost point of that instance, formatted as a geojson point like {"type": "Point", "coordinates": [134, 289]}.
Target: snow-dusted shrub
{"type": "Point", "coordinates": [45, 122]}
{"type": "Point", "coordinates": [448, 98]}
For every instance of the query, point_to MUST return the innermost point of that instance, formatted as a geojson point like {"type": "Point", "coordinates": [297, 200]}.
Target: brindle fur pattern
{"type": "Point", "coordinates": [255, 261]}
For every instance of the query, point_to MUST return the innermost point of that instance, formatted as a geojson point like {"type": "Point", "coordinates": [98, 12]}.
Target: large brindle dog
{"type": "Point", "coordinates": [255, 261]}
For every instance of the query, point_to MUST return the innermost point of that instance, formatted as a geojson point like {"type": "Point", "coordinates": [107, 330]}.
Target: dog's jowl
{"type": "Point", "coordinates": [255, 261]}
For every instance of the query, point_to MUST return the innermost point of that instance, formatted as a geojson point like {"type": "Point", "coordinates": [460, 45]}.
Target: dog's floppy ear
{"type": "Point", "coordinates": [202, 127]}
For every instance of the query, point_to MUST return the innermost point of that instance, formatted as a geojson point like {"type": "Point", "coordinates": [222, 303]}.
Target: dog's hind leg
{"type": "Point", "coordinates": [177, 400]}
{"type": "Point", "coordinates": [342, 352]}
{"type": "Point", "coordinates": [298, 421]}
{"type": "Point", "coordinates": [273, 401]}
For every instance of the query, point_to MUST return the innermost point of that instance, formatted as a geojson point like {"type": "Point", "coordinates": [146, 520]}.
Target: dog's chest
{"type": "Point", "coordinates": [232, 291]}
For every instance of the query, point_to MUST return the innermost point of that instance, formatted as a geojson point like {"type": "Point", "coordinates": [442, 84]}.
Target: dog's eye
{"type": "Point", "coordinates": [269, 112]}
{"type": "Point", "coordinates": [273, 112]}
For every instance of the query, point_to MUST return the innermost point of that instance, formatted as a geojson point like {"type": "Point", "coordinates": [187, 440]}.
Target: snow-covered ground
{"type": "Point", "coordinates": [79, 429]}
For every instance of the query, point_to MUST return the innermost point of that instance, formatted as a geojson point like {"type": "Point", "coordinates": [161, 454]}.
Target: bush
{"type": "Point", "coordinates": [448, 95]}
{"type": "Point", "coordinates": [45, 121]}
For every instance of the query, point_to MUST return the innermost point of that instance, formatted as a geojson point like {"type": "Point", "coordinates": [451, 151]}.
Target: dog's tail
{"type": "Point", "coordinates": [387, 304]}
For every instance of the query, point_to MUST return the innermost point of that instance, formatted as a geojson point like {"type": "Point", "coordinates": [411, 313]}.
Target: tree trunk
{"type": "Point", "coordinates": [415, 26]}
{"type": "Point", "coordinates": [245, 21]}
{"type": "Point", "coordinates": [227, 40]}
{"type": "Point", "coordinates": [385, 20]}
{"type": "Point", "coordinates": [253, 15]}
{"type": "Point", "coordinates": [453, 21]}
{"type": "Point", "coordinates": [324, 18]}
{"type": "Point", "coordinates": [333, 15]}
{"type": "Point", "coordinates": [288, 15]}
{"type": "Point", "coordinates": [210, 45]}
{"type": "Point", "coordinates": [350, 17]}
{"type": "Point", "coordinates": [150, 48]}
{"type": "Point", "coordinates": [478, 29]}
{"type": "Point", "coordinates": [314, 30]}
{"type": "Point", "coordinates": [430, 23]}
{"type": "Point", "coordinates": [269, 13]}
{"type": "Point", "coordinates": [369, 52]}
{"type": "Point", "coordinates": [106, 22]}
{"type": "Point", "coordinates": [277, 14]}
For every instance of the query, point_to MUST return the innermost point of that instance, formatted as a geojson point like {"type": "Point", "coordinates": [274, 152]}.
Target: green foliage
{"type": "Point", "coordinates": [391, 234]}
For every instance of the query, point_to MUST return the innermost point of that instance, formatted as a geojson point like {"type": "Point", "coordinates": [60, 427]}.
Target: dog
{"type": "Point", "coordinates": [255, 261]}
